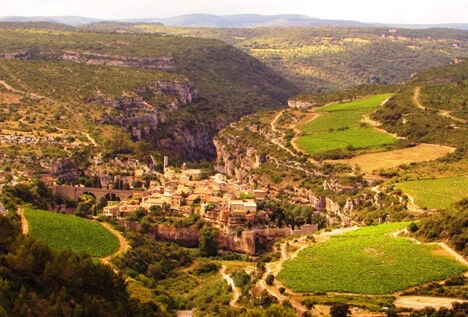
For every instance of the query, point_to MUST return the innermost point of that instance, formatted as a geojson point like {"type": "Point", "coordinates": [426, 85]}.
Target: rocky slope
{"type": "Point", "coordinates": [173, 92]}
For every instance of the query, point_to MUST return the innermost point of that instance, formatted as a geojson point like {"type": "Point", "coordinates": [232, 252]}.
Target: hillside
{"type": "Point", "coordinates": [326, 58]}
{"type": "Point", "coordinates": [431, 108]}
{"type": "Point", "coordinates": [68, 89]}
{"type": "Point", "coordinates": [431, 145]}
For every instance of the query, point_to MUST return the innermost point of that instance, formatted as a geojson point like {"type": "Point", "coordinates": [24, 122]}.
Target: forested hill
{"type": "Point", "coordinates": [173, 92]}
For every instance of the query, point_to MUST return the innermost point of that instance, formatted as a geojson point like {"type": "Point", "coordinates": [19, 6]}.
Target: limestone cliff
{"type": "Point", "coordinates": [150, 105]}
{"type": "Point", "coordinates": [118, 60]}
{"type": "Point", "coordinates": [237, 162]}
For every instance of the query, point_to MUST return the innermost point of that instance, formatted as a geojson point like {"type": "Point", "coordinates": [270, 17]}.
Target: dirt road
{"type": "Point", "coordinates": [440, 112]}
{"type": "Point", "coordinates": [124, 246]}
{"type": "Point", "coordinates": [420, 302]}
{"type": "Point", "coordinates": [235, 290]}
{"type": "Point", "coordinates": [24, 221]}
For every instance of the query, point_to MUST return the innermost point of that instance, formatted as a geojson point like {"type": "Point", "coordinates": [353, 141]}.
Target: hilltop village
{"type": "Point", "coordinates": [231, 207]}
{"type": "Point", "coordinates": [189, 191]}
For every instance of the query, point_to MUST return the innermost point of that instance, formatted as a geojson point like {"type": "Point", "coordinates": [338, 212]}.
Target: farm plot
{"type": "Point", "coordinates": [371, 102]}
{"type": "Point", "coordinates": [367, 261]}
{"type": "Point", "coordinates": [436, 193]}
{"type": "Point", "coordinates": [341, 128]}
{"type": "Point", "coordinates": [347, 139]}
{"type": "Point", "coordinates": [69, 232]}
{"type": "Point", "coordinates": [372, 162]}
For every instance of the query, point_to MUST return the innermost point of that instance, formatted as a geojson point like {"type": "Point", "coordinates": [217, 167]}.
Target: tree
{"type": "Point", "coordinates": [339, 310]}
{"type": "Point", "coordinates": [239, 231]}
{"type": "Point", "coordinates": [299, 221]}
{"type": "Point", "coordinates": [270, 279]}
{"type": "Point", "coordinates": [86, 205]}
{"type": "Point", "coordinates": [156, 210]}
{"type": "Point", "coordinates": [207, 241]}
{"type": "Point", "coordinates": [145, 226]}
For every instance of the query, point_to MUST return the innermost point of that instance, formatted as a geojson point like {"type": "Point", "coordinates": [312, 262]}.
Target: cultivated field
{"type": "Point", "coordinates": [347, 139]}
{"type": "Point", "coordinates": [69, 232]}
{"type": "Point", "coordinates": [341, 128]}
{"type": "Point", "coordinates": [368, 103]}
{"type": "Point", "coordinates": [373, 162]}
{"type": "Point", "coordinates": [436, 193]}
{"type": "Point", "coordinates": [367, 261]}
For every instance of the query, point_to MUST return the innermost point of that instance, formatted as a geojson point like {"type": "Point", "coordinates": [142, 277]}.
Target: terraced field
{"type": "Point", "coordinates": [368, 261]}
{"type": "Point", "coordinates": [69, 232]}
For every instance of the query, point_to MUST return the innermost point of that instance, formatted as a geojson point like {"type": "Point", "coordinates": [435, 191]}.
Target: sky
{"type": "Point", "coordinates": [390, 11]}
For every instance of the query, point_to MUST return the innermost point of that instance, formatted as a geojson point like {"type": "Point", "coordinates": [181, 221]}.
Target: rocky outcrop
{"type": "Point", "coordinates": [164, 63]}
{"type": "Point", "coordinates": [237, 162]}
{"type": "Point", "coordinates": [140, 114]}
{"type": "Point", "coordinates": [118, 60]}
{"type": "Point", "coordinates": [253, 242]}
{"type": "Point", "coordinates": [192, 142]}
{"type": "Point", "coordinates": [185, 236]}
{"type": "Point", "coordinates": [183, 93]}
{"type": "Point", "coordinates": [318, 202]}
{"type": "Point", "coordinates": [300, 104]}
{"type": "Point", "coordinates": [65, 170]}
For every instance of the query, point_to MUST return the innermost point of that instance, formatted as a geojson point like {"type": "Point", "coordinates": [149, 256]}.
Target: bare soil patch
{"type": "Point", "coordinates": [9, 98]}
{"type": "Point", "coordinates": [420, 302]}
{"type": "Point", "coordinates": [372, 162]}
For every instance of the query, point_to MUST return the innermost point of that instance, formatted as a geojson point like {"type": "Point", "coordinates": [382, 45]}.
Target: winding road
{"type": "Point", "coordinates": [440, 112]}
{"type": "Point", "coordinates": [123, 244]}
{"type": "Point", "coordinates": [235, 290]}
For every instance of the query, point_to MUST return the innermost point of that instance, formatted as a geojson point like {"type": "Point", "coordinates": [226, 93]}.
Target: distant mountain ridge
{"type": "Point", "coordinates": [231, 21]}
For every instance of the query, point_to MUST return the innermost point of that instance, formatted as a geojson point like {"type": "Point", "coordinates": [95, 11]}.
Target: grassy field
{"type": "Point", "coordinates": [340, 127]}
{"type": "Point", "coordinates": [436, 193]}
{"type": "Point", "coordinates": [367, 261]}
{"type": "Point", "coordinates": [333, 121]}
{"type": "Point", "coordinates": [368, 103]}
{"type": "Point", "coordinates": [69, 232]}
{"type": "Point", "coordinates": [354, 138]}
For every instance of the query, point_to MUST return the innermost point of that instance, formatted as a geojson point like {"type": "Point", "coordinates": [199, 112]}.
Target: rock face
{"type": "Point", "coordinates": [235, 161]}
{"type": "Point", "coordinates": [252, 242]}
{"type": "Point", "coordinates": [141, 115]}
{"type": "Point", "coordinates": [118, 60]}
{"type": "Point", "coordinates": [187, 237]}
{"type": "Point", "coordinates": [64, 170]}
{"type": "Point", "coordinates": [300, 104]}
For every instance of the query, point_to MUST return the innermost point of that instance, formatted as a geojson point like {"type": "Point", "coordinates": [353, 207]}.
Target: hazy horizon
{"type": "Point", "coordinates": [396, 12]}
